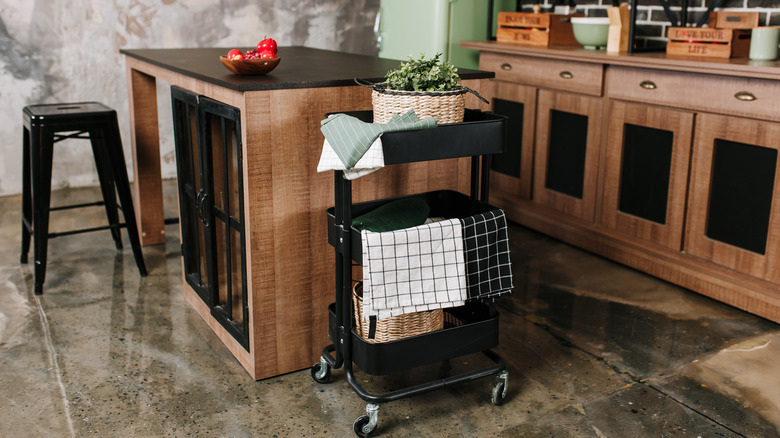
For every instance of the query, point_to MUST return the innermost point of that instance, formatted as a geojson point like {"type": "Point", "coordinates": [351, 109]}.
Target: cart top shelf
{"type": "Point", "coordinates": [480, 133]}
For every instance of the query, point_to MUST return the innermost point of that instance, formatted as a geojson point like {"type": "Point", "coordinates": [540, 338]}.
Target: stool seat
{"type": "Point", "coordinates": [66, 111]}
{"type": "Point", "coordinates": [47, 124]}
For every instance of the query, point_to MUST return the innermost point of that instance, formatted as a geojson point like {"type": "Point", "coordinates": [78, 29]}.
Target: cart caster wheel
{"type": "Point", "coordinates": [365, 425]}
{"type": "Point", "coordinates": [500, 388]}
{"type": "Point", "coordinates": [320, 372]}
{"type": "Point", "coordinates": [361, 427]}
{"type": "Point", "coordinates": [497, 397]}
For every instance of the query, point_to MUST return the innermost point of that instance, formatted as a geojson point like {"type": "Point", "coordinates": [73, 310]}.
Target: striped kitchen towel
{"type": "Point", "coordinates": [371, 161]}
{"type": "Point", "coordinates": [350, 137]}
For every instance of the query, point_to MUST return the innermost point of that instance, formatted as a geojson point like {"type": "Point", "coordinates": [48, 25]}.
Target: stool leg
{"type": "Point", "coordinates": [42, 150]}
{"type": "Point", "coordinates": [119, 170]}
{"type": "Point", "coordinates": [102, 164]}
{"type": "Point", "coordinates": [26, 197]}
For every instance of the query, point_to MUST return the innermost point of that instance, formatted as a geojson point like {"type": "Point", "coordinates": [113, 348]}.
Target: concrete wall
{"type": "Point", "coordinates": [68, 51]}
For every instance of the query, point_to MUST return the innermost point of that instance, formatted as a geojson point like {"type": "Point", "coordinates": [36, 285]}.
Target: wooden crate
{"type": "Point", "coordinates": [733, 20]}
{"type": "Point", "coordinates": [708, 42]}
{"type": "Point", "coordinates": [535, 29]}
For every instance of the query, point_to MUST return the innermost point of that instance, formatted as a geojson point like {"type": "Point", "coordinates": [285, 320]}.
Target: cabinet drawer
{"type": "Point", "coordinates": [720, 94]}
{"type": "Point", "coordinates": [573, 76]}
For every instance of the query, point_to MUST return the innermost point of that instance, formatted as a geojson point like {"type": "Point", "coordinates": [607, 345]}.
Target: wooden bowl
{"type": "Point", "coordinates": [250, 66]}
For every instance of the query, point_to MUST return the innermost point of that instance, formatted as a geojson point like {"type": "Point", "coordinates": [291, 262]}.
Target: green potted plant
{"type": "Point", "coordinates": [423, 75]}
{"type": "Point", "coordinates": [428, 86]}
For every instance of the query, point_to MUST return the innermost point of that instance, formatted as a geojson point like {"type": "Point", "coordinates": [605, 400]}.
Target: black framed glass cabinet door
{"type": "Point", "coordinates": [209, 160]}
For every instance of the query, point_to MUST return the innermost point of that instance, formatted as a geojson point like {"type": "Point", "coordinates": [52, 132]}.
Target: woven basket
{"type": "Point", "coordinates": [395, 327]}
{"type": "Point", "coordinates": [446, 106]}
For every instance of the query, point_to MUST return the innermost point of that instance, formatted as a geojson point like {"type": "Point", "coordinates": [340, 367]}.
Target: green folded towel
{"type": "Point", "coordinates": [350, 137]}
{"type": "Point", "coordinates": [395, 215]}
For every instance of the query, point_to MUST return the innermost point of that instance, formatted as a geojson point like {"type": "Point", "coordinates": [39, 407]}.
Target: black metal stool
{"type": "Point", "coordinates": [45, 125]}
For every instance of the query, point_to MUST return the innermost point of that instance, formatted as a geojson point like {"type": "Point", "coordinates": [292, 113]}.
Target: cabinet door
{"type": "Point", "coordinates": [223, 211]}
{"type": "Point", "coordinates": [512, 170]}
{"type": "Point", "coordinates": [191, 191]}
{"type": "Point", "coordinates": [733, 216]}
{"type": "Point", "coordinates": [568, 131]}
{"type": "Point", "coordinates": [646, 172]}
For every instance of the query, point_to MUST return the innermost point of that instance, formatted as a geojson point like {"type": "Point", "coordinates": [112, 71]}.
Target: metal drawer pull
{"type": "Point", "coordinates": [506, 66]}
{"type": "Point", "coordinates": [648, 85]}
{"type": "Point", "coordinates": [745, 96]}
{"type": "Point", "coordinates": [566, 74]}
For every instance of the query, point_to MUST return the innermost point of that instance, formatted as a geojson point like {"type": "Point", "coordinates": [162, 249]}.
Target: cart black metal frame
{"type": "Point", "coordinates": [481, 135]}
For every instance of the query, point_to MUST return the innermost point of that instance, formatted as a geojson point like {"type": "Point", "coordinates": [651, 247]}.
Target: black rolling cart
{"type": "Point", "coordinates": [468, 329]}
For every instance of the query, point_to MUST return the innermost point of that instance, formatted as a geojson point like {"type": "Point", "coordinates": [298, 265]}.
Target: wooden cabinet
{"type": "Point", "coordinates": [646, 172]}
{"type": "Point", "coordinates": [209, 164]}
{"type": "Point", "coordinates": [568, 135]}
{"type": "Point", "coordinates": [729, 94]}
{"type": "Point", "coordinates": [734, 219]}
{"type": "Point", "coordinates": [577, 77]}
{"type": "Point", "coordinates": [512, 171]}
{"type": "Point", "coordinates": [553, 131]}
{"type": "Point", "coordinates": [667, 165]}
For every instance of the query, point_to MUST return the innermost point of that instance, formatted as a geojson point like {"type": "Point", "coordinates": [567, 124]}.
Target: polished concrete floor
{"type": "Point", "coordinates": [593, 350]}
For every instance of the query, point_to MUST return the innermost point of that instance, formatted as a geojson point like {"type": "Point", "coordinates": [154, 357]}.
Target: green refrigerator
{"type": "Point", "coordinates": [410, 27]}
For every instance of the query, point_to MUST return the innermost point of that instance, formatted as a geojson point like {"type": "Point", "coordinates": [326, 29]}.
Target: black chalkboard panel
{"type": "Point", "coordinates": [644, 172]}
{"type": "Point", "coordinates": [566, 154]}
{"type": "Point", "coordinates": [741, 188]}
{"type": "Point", "coordinates": [509, 162]}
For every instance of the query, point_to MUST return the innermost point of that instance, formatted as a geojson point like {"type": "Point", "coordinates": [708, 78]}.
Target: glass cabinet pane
{"type": "Point", "coordinates": [237, 292]}
{"type": "Point", "coordinates": [222, 260]}
{"type": "Point", "coordinates": [216, 133]}
{"type": "Point", "coordinates": [233, 169]}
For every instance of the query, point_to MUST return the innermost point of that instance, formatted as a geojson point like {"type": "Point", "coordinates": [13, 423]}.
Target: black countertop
{"type": "Point", "coordinates": [300, 67]}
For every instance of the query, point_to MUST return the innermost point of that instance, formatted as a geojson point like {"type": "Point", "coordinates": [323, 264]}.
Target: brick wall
{"type": "Point", "coordinates": [652, 22]}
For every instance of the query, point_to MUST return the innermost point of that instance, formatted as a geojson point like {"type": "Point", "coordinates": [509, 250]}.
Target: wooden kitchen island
{"type": "Point", "coordinates": [667, 164]}
{"type": "Point", "coordinates": [263, 279]}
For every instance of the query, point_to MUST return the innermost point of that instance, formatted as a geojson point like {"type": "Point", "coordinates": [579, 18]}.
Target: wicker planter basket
{"type": "Point", "coordinates": [446, 106]}
{"type": "Point", "coordinates": [396, 327]}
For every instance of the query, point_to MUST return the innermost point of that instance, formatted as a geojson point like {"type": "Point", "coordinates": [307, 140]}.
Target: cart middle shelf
{"type": "Point", "coordinates": [471, 328]}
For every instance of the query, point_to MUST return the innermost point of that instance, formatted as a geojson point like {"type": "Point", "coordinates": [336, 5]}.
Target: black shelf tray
{"type": "Point", "coordinates": [448, 204]}
{"type": "Point", "coordinates": [480, 133]}
{"type": "Point", "coordinates": [468, 329]}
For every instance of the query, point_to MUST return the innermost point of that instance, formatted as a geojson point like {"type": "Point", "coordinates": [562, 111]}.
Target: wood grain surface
{"type": "Point", "coordinates": [680, 123]}
{"type": "Point", "coordinates": [577, 104]}
{"type": "Point", "coordinates": [749, 132]}
{"type": "Point", "coordinates": [725, 99]}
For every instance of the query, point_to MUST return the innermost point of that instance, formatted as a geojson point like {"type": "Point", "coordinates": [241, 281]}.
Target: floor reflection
{"type": "Point", "coordinates": [593, 349]}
